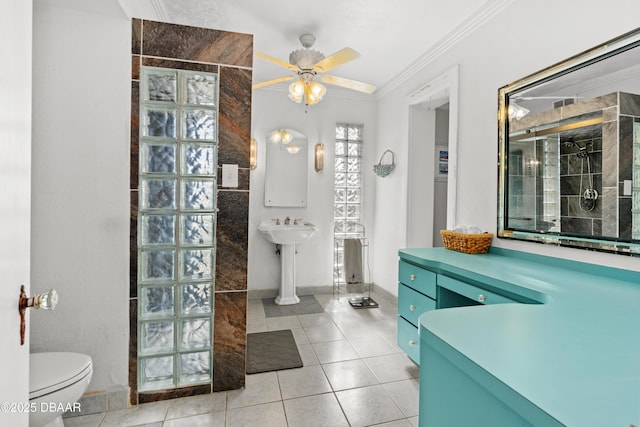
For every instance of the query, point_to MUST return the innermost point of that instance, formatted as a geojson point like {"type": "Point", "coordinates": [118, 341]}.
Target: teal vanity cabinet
{"type": "Point", "coordinates": [421, 290]}
{"type": "Point", "coordinates": [416, 295]}
{"type": "Point", "coordinates": [519, 339]}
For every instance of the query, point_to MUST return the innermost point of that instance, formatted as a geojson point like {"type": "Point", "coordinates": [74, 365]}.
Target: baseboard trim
{"type": "Point", "coordinates": [259, 294]}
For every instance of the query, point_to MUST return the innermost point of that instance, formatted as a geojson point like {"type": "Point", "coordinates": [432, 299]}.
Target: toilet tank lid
{"type": "Point", "coordinates": [49, 369]}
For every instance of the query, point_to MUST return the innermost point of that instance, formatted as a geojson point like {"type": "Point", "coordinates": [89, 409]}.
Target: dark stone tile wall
{"type": "Point", "coordinates": [232, 241]}
{"type": "Point", "coordinates": [157, 44]}
{"type": "Point", "coordinates": [197, 44]}
{"type": "Point", "coordinates": [229, 340]}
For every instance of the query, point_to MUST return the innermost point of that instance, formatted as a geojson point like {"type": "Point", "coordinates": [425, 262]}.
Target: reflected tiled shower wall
{"type": "Point", "coordinates": [156, 44]}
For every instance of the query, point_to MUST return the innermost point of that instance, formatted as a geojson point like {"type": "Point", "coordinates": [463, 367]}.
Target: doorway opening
{"type": "Point", "coordinates": [432, 148]}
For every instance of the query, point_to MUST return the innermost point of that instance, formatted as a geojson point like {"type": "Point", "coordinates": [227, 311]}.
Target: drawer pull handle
{"type": "Point", "coordinates": [412, 307]}
{"type": "Point", "coordinates": [412, 342]}
{"type": "Point", "coordinates": [481, 297]}
{"type": "Point", "coordinates": [413, 277]}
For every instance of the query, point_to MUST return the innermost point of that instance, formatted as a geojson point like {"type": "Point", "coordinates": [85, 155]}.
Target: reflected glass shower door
{"type": "Point", "coordinates": [176, 242]}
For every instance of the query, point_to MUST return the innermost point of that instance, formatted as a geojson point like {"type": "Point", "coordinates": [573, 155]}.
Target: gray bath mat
{"type": "Point", "coordinates": [307, 305]}
{"type": "Point", "coordinates": [272, 351]}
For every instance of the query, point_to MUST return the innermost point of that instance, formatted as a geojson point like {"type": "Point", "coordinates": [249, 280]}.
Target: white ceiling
{"type": "Point", "coordinates": [389, 35]}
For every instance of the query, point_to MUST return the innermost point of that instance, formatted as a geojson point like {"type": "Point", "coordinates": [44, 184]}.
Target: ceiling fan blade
{"type": "Point", "coordinates": [271, 82]}
{"type": "Point", "coordinates": [340, 57]}
{"type": "Point", "coordinates": [349, 84]}
{"type": "Point", "coordinates": [280, 62]}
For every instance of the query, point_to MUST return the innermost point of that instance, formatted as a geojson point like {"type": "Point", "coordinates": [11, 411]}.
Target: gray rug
{"type": "Point", "coordinates": [307, 305]}
{"type": "Point", "coordinates": [272, 351]}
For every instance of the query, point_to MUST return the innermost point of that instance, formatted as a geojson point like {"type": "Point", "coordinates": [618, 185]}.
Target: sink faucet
{"type": "Point", "coordinates": [287, 221]}
{"type": "Point", "coordinates": [277, 220]}
{"type": "Point", "coordinates": [295, 221]}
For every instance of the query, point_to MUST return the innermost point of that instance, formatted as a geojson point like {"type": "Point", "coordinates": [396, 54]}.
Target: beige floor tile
{"type": "Point", "coordinates": [265, 415]}
{"type": "Point", "coordinates": [259, 388]}
{"type": "Point", "coordinates": [405, 394]}
{"type": "Point", "coordinates": [368, 405]}
{"type": "Point", "coordinates": [197, 405]}
{"type": "Point", "coordinates": [394, 367]}
{"type": "Point", "coordinates": [216, 419]}
{"type": "Point", "coordinates": [349, 374]}
{"type": "Point", "coordinates": [334, 351]}
{"type": "Point", "coordinates": [303, 381]}
{"type": "Point", "coordinates": [321, 410]}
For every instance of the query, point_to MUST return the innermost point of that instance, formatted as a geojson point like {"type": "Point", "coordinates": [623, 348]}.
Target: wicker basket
{"type": "Point", "coordinates": [467, 243]}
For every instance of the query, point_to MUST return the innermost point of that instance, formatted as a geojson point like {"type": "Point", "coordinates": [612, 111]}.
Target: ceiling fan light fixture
{"type": "Point", "coordinates": [314, 92]}
{"type": "Point", "coordinates": [296, 91]}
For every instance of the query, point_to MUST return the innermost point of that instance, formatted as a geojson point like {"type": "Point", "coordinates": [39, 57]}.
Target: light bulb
{"type": "Point", "coordinates": [296, 91]}
{"type": "Point", "coordinates": [286, 137]}
{"type": "Point", "coordinates": [293, 149]}
{"type": "Point", "coordinates": [276, 137]}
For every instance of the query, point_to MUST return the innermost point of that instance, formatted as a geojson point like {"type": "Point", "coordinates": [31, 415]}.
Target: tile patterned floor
{"type": "Point", "coordinates": [353, 375]}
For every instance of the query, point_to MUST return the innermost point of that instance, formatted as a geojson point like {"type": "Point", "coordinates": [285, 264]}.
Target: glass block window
{"type": "Point", "coordinates": [347, 199]}
{"type": "Point", "coordinates": [176, 223]}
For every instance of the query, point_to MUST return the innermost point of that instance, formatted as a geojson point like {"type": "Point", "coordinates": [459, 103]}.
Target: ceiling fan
{"type": "Point", "coordinates": [307, 63]}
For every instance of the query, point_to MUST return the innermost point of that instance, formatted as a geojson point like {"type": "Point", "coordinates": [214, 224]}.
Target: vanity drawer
{"type": "Point", "coordinates": [474, 293]}
{"type": "Point", "coordinates": [421, 280]}
{"type": "Point", "coordinates": [409, 340]}
{"type": "Point", "coordinates": [411, 304]}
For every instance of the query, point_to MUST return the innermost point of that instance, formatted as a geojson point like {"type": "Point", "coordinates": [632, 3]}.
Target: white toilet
{"type": "Point", "coordinates": [56, 382]}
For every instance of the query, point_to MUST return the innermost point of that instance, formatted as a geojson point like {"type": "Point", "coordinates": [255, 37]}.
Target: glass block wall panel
{"type": "Point", "coordinates": [196, 264]}
{"type": "Point", "coordinates": [159, 85]}
{"type": "Point", "coordinates": [157, 337]}
{"type": "Point", "coordinates": [199, 159]}
{"type": "Point", "coordinates": [195, 368]}
{"type": "Point", "coordinates": [158, 194]}
{"type": "Point", "coordinates": [198, 194]}
{"type": "Point", "coordinates": [158, 157]}
{"type": "Point", "coordinates": [195, 298]}
{"type": "Point", "coordinates": [347, 190]}
{"type": "Point", "coordinates": [156, 373]}
{"type": "Point", "coordinates": [200, 88]}
{"type": "Point", "coordinates": [158, 122]}
{"type": "Point", "coordinates": [177, 227]}
{"type": "Point", "coordinates": [157, 266]}
{"type": "Point", "coordinates": [158, 229]}
{"type": "Point", "coordinates": [198, 123]}
{"type": "Point", "coordinates": [197, 230]}
{"type": "Point", "coordinates": [157, 301]}
{"type": "Point", "coordinates": [196, 334]}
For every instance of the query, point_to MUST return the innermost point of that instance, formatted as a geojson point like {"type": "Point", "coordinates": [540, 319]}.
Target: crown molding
{"type": "Point", "coordinates": [487, 11]}
{"type": "Point", "coordinates": [159, 10]}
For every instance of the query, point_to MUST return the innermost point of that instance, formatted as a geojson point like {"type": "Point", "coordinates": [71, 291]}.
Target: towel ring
{"type": "Point", "coordinates": [382, 169]}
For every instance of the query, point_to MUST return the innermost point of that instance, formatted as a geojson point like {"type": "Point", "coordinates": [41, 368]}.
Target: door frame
{"type": "Point", "coordinates": [439, 91]}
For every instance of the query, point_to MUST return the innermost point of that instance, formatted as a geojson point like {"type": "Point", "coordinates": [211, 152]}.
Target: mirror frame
{"type": "Point", "coordinates": [605, 50]}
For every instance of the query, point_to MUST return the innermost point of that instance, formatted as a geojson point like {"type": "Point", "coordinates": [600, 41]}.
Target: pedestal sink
{"type": "Point", "coordinates": [287, 236]}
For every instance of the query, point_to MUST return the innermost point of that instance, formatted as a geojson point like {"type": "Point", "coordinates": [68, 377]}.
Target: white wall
{"type": "Point", "coordinates": [272, 109]}
{"type": "Point", "coordinates": [524, 38]}
{"type": "Point", "coordinates": [80, 201]}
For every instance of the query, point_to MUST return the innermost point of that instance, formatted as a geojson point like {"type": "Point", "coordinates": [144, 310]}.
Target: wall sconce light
{"type": "Point", "coordinates": [253, 154]}
{"type": "Point", "coordinates": [319, 157]}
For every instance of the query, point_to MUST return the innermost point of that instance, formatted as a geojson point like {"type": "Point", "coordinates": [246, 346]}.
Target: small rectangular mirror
{"type": "Point", "coordinates": [569, 151]}
{"type": "Point", "coordinates": [286, 169]}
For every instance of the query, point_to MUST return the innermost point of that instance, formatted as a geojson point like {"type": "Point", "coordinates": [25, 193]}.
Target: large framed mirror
{"type": "Point", "coordinates": [569, 151]}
